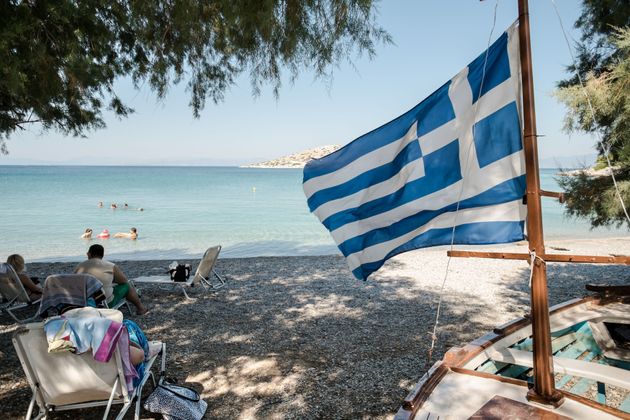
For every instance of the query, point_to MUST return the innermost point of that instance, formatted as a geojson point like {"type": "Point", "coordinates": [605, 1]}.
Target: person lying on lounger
{"type": "Point", "coordinates": [115, 283]}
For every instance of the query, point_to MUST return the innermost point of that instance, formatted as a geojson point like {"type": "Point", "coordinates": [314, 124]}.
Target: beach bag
{"type": "Point", "coordinates": [175, 402]}
{"type": "Point", "coordinates": [180, 272]}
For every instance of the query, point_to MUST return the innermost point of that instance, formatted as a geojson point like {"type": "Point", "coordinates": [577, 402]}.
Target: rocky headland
{"type": "Point", "coordinates": [592, 172]}
{"type": "Point", "coordinates": [296, 160]}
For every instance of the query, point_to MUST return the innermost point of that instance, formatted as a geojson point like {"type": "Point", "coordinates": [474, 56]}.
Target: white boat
{"type": "Point", "coordinates": [492, 375]}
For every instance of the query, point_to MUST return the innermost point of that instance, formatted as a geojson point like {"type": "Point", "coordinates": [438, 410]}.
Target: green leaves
{"type": "Point", "coordinates": [59, 58]}
{"type": "Point", "coordinates": [595, 198]}
{"type": "Point", "coordinates": [604, 64]}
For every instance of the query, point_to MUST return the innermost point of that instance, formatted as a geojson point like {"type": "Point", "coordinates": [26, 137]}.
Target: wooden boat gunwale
{"type": "Point", "coordinates": [460, 359]}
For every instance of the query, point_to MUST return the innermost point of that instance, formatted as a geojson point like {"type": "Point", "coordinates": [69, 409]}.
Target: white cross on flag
{"type": "Point", "coordinates": [452, 163]}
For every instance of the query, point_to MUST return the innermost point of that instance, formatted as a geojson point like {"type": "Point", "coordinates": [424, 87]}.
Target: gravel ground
{"type": "Point", "coordinates": [298, 337]}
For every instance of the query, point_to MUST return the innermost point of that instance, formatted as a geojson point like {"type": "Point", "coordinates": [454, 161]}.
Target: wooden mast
{"type": "Point", "coordinates": [544, 390]}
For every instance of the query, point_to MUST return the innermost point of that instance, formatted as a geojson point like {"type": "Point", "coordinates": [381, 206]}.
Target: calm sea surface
{"type": "Point", "coordinates": [251, 212]}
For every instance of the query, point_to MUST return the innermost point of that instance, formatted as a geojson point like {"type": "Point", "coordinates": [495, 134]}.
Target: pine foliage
{"type": "Point", "coordinates": [59, 59]}
{"type": "Point", "coordinates": [603, 63]}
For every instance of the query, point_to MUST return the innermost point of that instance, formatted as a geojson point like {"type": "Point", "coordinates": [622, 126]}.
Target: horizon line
{"type": "Point", "coordinates": [173, 165]}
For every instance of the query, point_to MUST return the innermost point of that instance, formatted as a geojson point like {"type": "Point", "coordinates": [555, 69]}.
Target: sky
{"type": "Point", "coordinates": [433, 40]}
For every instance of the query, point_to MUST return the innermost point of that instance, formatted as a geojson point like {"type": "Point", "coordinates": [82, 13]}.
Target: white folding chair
{"type": "Point", "coordinates": [66, 381]}
{"type": "Point", "coordinates": [120, 304]}
{"type": "Point", "coordinates": [205, 269]}
{"type": "Point", "coordinates": [13, 295]}
{"type": "Point", "coordinates": [203, 275]}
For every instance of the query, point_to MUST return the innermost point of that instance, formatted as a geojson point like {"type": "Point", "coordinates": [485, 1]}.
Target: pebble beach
{"type": "Point", "coordinates": [299, 337]}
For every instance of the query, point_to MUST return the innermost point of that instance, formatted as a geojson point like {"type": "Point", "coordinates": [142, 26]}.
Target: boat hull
{"type": "Point", "coordinates": [493, 372]}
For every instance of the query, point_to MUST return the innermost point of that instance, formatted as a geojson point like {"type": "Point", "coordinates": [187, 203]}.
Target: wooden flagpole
{"type": "Point", "coordinates": [544, 390]}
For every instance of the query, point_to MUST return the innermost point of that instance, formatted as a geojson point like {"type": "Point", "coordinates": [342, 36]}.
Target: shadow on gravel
{"type": "Point", "coordinates": [288, 339]}
{"type": "Point", "coordinates": [566, 281]}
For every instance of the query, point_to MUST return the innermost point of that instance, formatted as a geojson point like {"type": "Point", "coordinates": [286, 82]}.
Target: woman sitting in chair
{"type": "Point", "coordinates": [17, 262]}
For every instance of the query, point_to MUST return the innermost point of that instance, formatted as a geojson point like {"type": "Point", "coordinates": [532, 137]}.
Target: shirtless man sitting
{"type": "Point", "coordinates": [115, 283]}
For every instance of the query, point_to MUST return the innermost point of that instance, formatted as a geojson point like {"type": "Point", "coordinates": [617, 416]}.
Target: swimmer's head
{"type": "Point", "coordinates": [134, 230]}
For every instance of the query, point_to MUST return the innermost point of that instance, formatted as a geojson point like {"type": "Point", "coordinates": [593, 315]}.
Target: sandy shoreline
{"type": "Point", "coordinates": [299, 337]}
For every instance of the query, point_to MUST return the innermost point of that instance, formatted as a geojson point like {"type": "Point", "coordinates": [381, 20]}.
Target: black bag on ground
{"type": "Point", "coordinates": [176, 402]}
{"type": "Point", "coordinates": [180, 273]}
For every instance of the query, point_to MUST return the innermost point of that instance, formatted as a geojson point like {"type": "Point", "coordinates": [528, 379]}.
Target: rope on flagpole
{"type": "Point", "coordinates": [606, 145]}
{"type": "Point", "coordinates": [433, 334]}
{"type": "Point", "coordinates": [532, 260]}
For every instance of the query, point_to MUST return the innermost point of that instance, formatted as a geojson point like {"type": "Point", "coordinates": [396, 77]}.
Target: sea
{"type": "Point", "coordinates": [249, 211]}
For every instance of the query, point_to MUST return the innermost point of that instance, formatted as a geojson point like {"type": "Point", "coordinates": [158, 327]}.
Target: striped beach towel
{"type": "Point", "coordinates": [68, 289]}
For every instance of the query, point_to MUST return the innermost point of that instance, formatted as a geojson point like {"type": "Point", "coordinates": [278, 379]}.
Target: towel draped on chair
{"type": "Point", "coordinates": [101, 335]}
{"type": "Point", "coordinates": [68, 289]}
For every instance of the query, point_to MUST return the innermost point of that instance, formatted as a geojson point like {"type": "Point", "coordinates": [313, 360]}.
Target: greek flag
{"type": "Point", "coordinates": [452, 167]}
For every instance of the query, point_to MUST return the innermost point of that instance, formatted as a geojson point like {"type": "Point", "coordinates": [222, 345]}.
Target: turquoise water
{"type": "Point", "coordinates": [251, 212]}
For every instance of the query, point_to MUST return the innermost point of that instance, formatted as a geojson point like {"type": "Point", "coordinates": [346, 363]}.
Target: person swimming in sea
{"type": "Point", "coordinates": [114, 206]}
{"type": "Point", "coordinates": [100, 204]}
{"type": "Point", "coordinates": [87, 234]}
{"type": "Point", "coordinates": [104, 234]}
{"type": "Point", "coordinates": [132, 234]}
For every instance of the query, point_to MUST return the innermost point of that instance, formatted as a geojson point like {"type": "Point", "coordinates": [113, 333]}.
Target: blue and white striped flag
{"type": "Point", "coordinates": [397, 188]}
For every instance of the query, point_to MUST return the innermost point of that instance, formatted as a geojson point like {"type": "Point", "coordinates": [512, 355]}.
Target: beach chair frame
{"type": "Point", "coordinates": [11, 290]}
{"type": "Point", "coordinates": [119, 386]}
{"type": "Point", "coordinates": [119, 305]}
{"type": "Point", "coordinates": [210, 258]}
{"type": "Point", "coordinates": [204, 274]}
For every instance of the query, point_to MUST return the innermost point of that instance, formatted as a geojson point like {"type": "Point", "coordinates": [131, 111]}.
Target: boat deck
{"type": "Point", "coordinates": [591, 362]}
{"type": "Point", "coordinates": [574, 344]}
{"type": "Point", "coordinates": [478, 392]}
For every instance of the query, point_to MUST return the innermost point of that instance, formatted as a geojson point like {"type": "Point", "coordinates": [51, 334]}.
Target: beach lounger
{"type": "Point", "coordinates": [13, 294]}
{"type": "Point", "coordinates": [66, 381]}
{"type": "Point", "coordinates": [205, 270]}
{"type": "Point", "coordinates": [204, 275]}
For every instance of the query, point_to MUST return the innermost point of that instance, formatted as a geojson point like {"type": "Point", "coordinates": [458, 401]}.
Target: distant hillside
{"type": "Point", "coordinates": [296, 160]}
